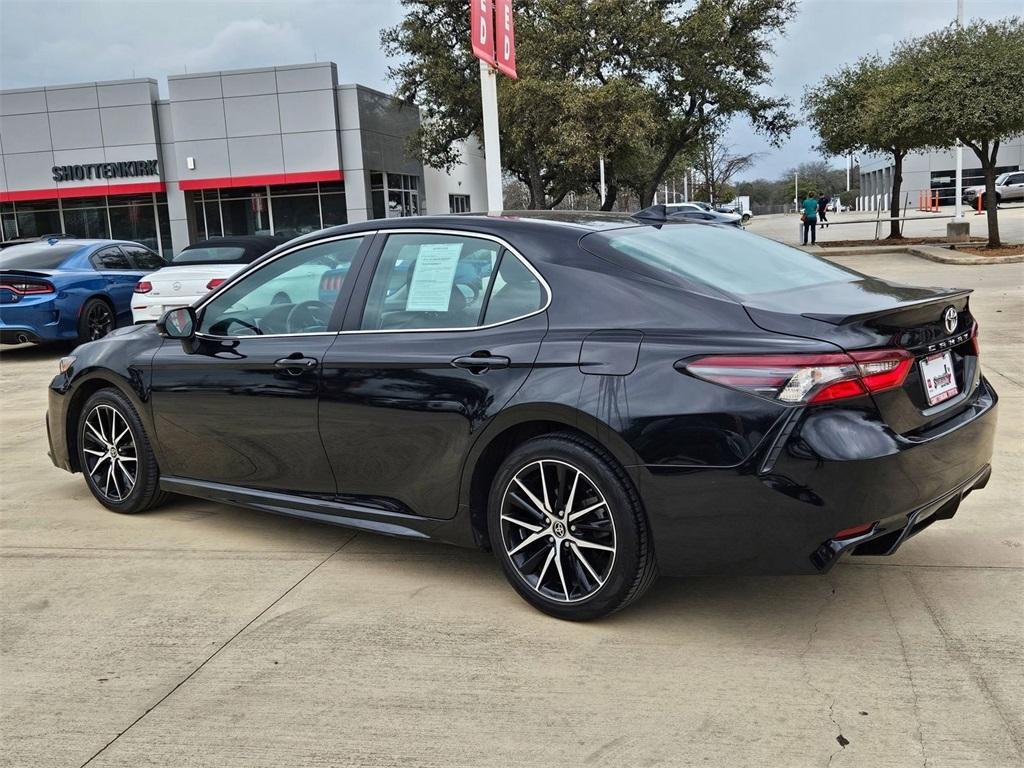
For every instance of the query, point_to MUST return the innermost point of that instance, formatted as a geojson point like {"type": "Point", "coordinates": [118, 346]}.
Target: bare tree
{"type": "Point", "coordinates": [716, 165]}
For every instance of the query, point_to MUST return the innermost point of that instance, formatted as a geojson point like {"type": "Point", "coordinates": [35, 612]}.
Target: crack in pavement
{"type": "Point", "coordinates": [910, 672]}
{"type": "Point", "coordinates": [220, 648]}
{"type": "Point", "coordinates": [808, 677]}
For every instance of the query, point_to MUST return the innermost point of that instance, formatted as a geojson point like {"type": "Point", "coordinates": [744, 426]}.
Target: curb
{"type": "Point", "coordinates": [928, 252]}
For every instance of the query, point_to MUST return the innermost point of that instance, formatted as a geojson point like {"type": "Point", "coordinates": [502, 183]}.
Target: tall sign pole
{"type": "Point", "coordinates": [959, 147]}
{"type": "Point", "coordinates": [494, 44]}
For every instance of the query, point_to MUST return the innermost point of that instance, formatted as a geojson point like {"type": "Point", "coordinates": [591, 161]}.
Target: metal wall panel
{"type": "Point", "coordinates": [25, 133]}
{"type": "Point", "coordinates": [83, 97]}
{"type": "Point", "coordinates": [79, 129]}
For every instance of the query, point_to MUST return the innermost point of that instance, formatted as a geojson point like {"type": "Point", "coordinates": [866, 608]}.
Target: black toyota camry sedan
{"type": "Point", "coordinates": [595, 399]}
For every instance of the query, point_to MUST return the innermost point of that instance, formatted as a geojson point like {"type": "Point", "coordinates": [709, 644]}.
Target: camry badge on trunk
{"type": "Point", "coordinates": [949, 317]}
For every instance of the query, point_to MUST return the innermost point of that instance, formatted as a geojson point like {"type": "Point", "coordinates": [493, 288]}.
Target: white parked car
{"type": "Point", "coordinates": [1009, 187]}
{"type": "Point", "coordinates": [194, 272]}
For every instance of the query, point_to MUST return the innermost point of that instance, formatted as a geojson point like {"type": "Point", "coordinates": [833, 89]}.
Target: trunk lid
{"type": "Point", "coordinates": [869, 313]}
{"type": "Point", "coordinates": [188, 282]}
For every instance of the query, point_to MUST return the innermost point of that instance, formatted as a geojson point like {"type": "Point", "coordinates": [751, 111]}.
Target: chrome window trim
{"type": "Point", "coordinates": [369, 233]}
{"type": "Point", "coordinates": [461, 233]}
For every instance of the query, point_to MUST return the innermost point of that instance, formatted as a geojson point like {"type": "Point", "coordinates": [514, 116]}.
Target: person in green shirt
{"type": "Point", "coordinates": [810, 219]}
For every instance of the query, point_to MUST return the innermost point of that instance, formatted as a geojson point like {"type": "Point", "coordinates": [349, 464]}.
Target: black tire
{"type": "Point", "coordinates": [615, 579]}
{"type": "Point", "coordinates": [96, 320]}
{"type": "Point", "coordinates": [115, 413]}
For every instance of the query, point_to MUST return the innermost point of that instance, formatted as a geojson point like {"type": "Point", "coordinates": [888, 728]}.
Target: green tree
{"type": "Point", "coordinates": [634, 80]}
{"type": "Point", "coordinates": [873, 106]}
{"type": "Point", "coordinates": [968, 81]}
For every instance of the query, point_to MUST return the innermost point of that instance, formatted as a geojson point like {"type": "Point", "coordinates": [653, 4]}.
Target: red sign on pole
{"type": "Point", "coordinates": [506, 60]}
{"type": "Point", "coordinates": [481, 29]}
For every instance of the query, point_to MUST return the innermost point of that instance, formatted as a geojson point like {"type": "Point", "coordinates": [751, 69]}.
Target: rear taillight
{"type": "Point", "coordinates": [215, 282]}
{"type": "Point", "coordinates": [807, 378]}
{"type": "Point", "coordinates": [143, 286]}
{"type": "Point", "coordinates": [26, 287]}
{"type": "Point", "coordinates": [974, 340]}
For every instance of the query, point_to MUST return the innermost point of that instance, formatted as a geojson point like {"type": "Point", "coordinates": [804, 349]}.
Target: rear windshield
{"type": "Point", "coordinates": [218, 254]}
{"type": "Point", "coordinates": [36, 256]}
{"type": "Point", "coordinates": [724, 258]}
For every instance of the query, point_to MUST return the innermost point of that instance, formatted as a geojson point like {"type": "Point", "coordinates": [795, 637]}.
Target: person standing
{"type": "Point", "coordinates": [823, 202]}
{"type": "Point", "coordinates": [809, 219]}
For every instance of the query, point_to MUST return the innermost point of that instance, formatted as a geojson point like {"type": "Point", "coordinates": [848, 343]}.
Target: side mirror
{"type": "Point", "coordinates": [177, 323]}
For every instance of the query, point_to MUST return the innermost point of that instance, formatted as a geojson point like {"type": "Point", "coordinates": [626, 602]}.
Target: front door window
{"type": "Point", "coordinates": [292, 294]}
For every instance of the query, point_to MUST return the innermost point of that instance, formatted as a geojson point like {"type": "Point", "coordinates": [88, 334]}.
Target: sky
{"type": "Point", "coordinates": [50, 42]}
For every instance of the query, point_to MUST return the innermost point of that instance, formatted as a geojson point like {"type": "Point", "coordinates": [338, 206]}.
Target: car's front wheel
{"type": "Point", "coordinates": [569, 529]}
{"type": "Point", "coordinates": [115, 455]}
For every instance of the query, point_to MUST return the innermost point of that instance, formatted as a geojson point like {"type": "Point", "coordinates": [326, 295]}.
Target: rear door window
{"type": "Point", "coordinates": [110, 258]}
{"type": "Point", "coordinates": [143, 258]}
{"type": "Point", "coordinates": [425, 281]}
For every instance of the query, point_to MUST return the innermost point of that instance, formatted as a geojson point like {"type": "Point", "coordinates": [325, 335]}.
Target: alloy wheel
{"type": "Point", "coordinates": [558, 530]}
{"type": "Point", "coordinates": [111, 456]}
{"type": "Point", "coordinates": [99, 321]}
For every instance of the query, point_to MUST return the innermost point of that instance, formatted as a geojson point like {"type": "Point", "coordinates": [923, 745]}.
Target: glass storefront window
{"type": "Point", "coordinates": [86, 222]}
{"type": "Point", "coordinates": [295, 215]}
{"type": "Point", "coordinates": [37, 219]}
{"type": "Point", "coordinates": [135, 221]}
{"type": "Point", "coordinates": [400, 196]}
{"type": "Point", "coordinates": [334, 210]}
{"type": "Point", "coordinates": [8, 226]}
{"type": "Point", "coordinates": [131, 218]}
{"type": "Point", "coordinates": [244, 211]}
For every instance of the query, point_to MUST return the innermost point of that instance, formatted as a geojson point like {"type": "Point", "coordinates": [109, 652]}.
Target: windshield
{"type": "Point", "coordinates": [36, 256]}
{"type": "Point", "coordinates": [724, 258]}
{"type": "Point", "coordinates": [217, 254]}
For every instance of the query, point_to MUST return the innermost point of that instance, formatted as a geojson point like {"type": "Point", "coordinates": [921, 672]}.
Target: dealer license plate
{"type": "Point", "coordinates": [939, 381]}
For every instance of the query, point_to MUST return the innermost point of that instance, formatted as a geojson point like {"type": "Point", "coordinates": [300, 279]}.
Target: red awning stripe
{"type": "Point", "coordinates": [306, 177]}
{"type": "Point", "coordinates": [93, 190]}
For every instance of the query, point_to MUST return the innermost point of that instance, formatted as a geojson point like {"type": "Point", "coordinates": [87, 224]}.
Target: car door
{"type": "Point", "coordinates": [238, 404]}
{"type": "Point", "coordinates": [119, 277]}
{"type": "Point", "coordinates": [449, 330]}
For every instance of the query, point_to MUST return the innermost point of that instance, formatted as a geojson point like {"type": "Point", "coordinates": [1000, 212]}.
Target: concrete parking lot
{"type": "Point", "coordinates": [205, 635]}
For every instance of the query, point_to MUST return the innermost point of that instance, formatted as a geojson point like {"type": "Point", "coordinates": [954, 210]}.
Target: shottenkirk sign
{"type": "Point", "coordinates": [117, 170]}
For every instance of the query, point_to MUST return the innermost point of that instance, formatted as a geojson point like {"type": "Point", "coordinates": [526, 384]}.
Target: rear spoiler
{"type": "Point", "coordinates": [28, 272]}
{"type": "Point", "coordinates": [842, 319]}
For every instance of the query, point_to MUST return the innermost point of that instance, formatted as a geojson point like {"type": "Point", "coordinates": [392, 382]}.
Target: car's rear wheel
{"type": "Point", "coordinates": [115, 455]}
{"type": "Point", "coordinates": [569, 529]}
{"type": "Point", "coordinates": [95, 321]}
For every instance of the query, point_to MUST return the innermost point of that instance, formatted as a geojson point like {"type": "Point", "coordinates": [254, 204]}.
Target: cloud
{"type": "Point", "coordinates": [241, 44]}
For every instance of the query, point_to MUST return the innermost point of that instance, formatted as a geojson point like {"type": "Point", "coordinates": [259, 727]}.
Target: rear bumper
{"type": "Point", "coordinates": [149, 312]}
{"type": "Point", "coordinates": [820, 472]}
{"type": "Point", "coordinates": [34, 322]}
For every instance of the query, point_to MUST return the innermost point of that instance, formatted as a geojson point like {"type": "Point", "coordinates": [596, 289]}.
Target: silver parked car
{"type": "Point", "coordinates": [1009, 187]}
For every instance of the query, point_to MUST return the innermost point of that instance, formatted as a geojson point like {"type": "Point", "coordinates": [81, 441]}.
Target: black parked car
{"type": "Point", "coordinates": [595, 399]}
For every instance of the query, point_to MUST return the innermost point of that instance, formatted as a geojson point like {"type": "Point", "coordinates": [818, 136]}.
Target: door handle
{"type": "Point", "coordinates": [481, 362]}
{"type": "Point", "coordinates": [296, 364]}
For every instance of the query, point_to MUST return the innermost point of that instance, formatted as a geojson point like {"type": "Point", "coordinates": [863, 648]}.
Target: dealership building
{"type": "Point", "coordinates": [931, 173]}
{"type": "Point", "coordinates": [281, 150]}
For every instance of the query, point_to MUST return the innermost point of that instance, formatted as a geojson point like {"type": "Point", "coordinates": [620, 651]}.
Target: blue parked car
{"type": "Point", "coordinates": [69, 290]}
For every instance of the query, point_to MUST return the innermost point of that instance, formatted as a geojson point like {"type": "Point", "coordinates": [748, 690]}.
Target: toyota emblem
{"type": "Point", "coordinates": [949, 319]}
